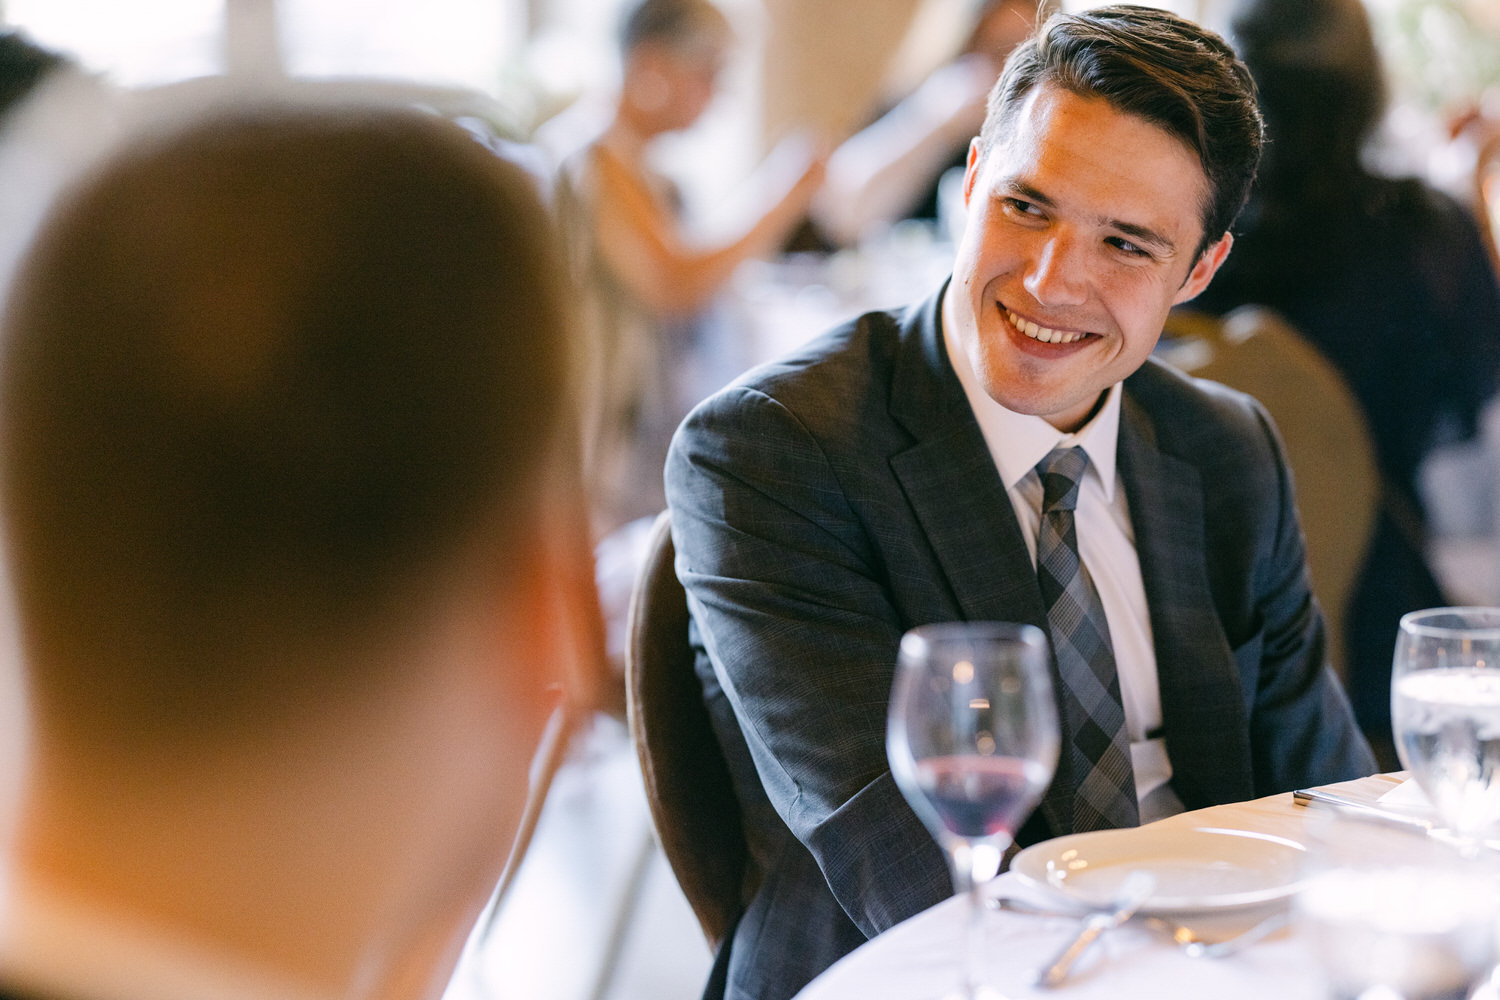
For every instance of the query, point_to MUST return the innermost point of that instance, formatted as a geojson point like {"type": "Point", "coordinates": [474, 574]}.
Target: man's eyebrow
{"type": "Point", "coordinates": [1026, 191]}
{"type": "Point", "coordinates": [1146, 236]}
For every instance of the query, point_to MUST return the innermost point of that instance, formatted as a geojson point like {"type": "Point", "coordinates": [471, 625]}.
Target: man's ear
{"type": "Point", "coordinates": [549, 631]}
{"type": "Point", "coordinates": [557, 624]}
{"type": "Point", "coordinates": [971, 169]}
{"type": "Point", "coordinates": [1204, 269]}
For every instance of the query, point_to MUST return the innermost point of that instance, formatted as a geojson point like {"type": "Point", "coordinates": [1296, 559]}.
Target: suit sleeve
{"type": "Point", "coordinates": [1303, 731]}
{"type": "Point", "coordinates": [784, 584]}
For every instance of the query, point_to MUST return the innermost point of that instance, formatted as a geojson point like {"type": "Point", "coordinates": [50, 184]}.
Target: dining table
{"type": "Point", "coordinates": [921, 958]}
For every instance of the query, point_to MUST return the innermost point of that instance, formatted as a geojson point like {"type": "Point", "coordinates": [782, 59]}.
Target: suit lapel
{"type": "Point", "coordinates": [955, 491]}
{"type": "Point", "coordinates": [1203, 711]}
{"type": "Point", "coordinates": [952, 484]}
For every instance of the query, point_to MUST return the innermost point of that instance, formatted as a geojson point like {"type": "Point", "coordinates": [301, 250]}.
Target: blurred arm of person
{"type": "Point", "coordinates": [878, 174]}
{"type": "Point", "coordinates": [649, 253]}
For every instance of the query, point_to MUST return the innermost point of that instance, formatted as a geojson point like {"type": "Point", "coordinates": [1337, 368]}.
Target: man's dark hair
{"type": "Point", "coordinates": [1160, 67]}
{"type": "Point", "coordinates": [268, 381]}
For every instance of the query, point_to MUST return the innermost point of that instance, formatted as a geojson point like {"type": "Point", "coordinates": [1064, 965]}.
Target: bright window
{"type": "Point", "coordinates": [463, 43]}
{"type": "Point", "coordinates": [456, 42]}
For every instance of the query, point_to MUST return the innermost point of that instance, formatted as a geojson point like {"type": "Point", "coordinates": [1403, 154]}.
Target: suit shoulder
{"type": "Point", "coordinates": [1191, 414]}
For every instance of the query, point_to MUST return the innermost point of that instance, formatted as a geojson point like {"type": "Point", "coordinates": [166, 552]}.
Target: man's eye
{"type": "Point", "coordinates": [1021, 207]}
{"type": "Point", "coordinates": [1127, 247]}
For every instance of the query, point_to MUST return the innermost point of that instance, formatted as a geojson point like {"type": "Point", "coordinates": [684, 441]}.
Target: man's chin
{"type": "Point", "coordinates": [1065, 410]}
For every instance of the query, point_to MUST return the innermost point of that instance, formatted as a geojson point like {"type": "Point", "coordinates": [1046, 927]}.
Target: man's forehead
{"type": "Point", "coordinates": [1036, 146]}
{"type": "Point", "coordinates": [1048, 93]}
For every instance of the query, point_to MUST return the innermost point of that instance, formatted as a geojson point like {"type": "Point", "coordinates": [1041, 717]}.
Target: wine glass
{"type": "Point", "coordinates": [972, 738]}
{"type": "Point", "coordinates": [1445, 713]}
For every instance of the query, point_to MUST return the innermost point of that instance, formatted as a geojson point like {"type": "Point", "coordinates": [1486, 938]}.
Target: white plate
{"type": "Point", "coordinates": [1196, 868]}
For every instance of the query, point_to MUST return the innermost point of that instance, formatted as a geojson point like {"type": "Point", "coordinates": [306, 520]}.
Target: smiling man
{"type": "Point", "coordinates": [909, 466]}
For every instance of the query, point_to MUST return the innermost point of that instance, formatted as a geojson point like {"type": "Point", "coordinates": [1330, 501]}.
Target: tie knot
{"type": "Point", "coordinates": [1060, 473]}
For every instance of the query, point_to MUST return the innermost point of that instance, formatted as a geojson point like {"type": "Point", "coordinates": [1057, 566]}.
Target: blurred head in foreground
{"type": "Point", "coordinates": [290, 517]}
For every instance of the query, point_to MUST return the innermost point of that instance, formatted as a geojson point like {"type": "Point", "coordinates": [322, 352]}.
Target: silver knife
{"type": "Point", "coordinates": [1134, 891]}
{"type": "Point", "coordinates": [1388, 817]}
{"type": "Point", "coordinates": [1305, 795]}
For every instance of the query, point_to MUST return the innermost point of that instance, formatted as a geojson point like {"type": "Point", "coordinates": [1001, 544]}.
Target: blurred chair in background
{"type": "Point", "coordinates": [1388, 278]}
{"type": "Point", "coordinates": [692, 800]}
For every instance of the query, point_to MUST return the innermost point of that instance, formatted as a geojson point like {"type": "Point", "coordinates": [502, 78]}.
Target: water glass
{"type": "Point", "coordinates": [1445, 713]}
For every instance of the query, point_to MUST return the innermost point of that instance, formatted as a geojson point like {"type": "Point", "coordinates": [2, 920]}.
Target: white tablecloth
{"type": "Point", "coordinates": [920, 959]}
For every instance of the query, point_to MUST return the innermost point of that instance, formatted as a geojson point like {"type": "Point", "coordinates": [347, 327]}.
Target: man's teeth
{"type": "Point", "coordinates": [1045, 334]}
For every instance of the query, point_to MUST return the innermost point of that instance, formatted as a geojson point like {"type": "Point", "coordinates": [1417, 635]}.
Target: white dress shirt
{"type": "Point", "coordinates": [1106, 547]}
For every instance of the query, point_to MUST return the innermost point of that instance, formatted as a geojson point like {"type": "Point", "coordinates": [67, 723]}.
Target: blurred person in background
{"type": "Point", "coordinates": [300, 561]}
{"type": "Point", "coordinates": [1388, 277]}
{"type": "Point", "coordinates": [646, 282]}
{"type": "Point", "coordinates": [891, 170]}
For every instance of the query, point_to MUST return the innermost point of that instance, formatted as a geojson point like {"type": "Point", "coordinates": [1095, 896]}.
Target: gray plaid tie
{"type": "Point", "coordinates": [1098, 747]}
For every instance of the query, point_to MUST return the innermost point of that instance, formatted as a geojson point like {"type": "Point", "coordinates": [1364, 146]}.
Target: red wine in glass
{"type": "Point", "coordinates": [978, 797]}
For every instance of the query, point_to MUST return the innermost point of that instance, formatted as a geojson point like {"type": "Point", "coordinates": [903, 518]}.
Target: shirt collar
{"type": "Point", "coordinates": [1019, 441]}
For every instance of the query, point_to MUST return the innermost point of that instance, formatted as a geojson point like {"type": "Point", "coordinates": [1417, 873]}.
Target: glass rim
{"type": "Point", "coordinates": [1413, 621]}
{"type": "Point", "coordinates": [935, 632]}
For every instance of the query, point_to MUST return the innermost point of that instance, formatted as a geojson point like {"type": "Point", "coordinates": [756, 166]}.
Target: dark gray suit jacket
{"type": "Point", "coordinates": [828, 502]}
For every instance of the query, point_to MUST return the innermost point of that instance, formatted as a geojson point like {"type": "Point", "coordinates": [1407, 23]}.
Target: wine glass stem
{"type": "Point", "coordinates": [974, 942]}
{"type": "Point", "coordinates": [973, 864]}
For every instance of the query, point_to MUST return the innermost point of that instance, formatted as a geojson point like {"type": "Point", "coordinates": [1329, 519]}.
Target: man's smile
{"type": "Point", "coordinates": [1045, 334]}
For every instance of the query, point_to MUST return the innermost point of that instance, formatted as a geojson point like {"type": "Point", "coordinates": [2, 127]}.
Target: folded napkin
{"type": "Point", "coordinates": [1408, 797]}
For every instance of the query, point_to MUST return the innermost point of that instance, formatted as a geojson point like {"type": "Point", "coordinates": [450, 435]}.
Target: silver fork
{"type": "Point", "coordinates": [1194, 946]}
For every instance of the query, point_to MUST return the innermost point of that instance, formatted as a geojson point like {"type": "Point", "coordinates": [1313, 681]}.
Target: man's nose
{"type": "Point", "coordinates": [1057, 273]}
